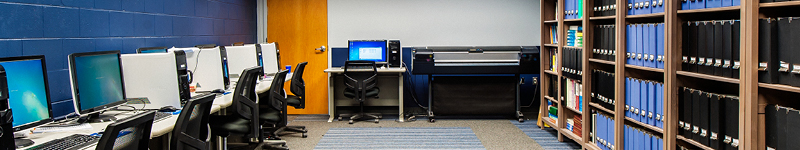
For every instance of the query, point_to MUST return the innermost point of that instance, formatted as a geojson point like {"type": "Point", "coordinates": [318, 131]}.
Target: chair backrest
{"type": "Point", "coordinates": [191, 129]}
{"type": "Point", "coordinates": [298, 86]}
{"type": "Point", "coordinates": [244, 97]}
{"type": "Point", "coordinates": [276, 99]}
{"type": "Point", "coordinates": [131, 133]}
{"type": "Point", "coordinates": [358, 78]}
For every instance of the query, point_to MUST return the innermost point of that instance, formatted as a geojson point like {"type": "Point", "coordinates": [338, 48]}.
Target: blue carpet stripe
{"type": "Point", "coordinates": [547, 138]}
{"type": "Point", "coordinates": [400, 138]}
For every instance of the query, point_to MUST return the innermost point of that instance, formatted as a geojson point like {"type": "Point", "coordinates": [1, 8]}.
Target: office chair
{"type": "Point", "coordinates": [298, 100]}
{"type": "Point", "coordinates": [191, 128]}
{"type": "Point", "coordinates": [360, 85]}
{"type": "Point", "coordinates": [129, 134]}
{"type": "Point", "coordinates": [273, 109]}
{"type": "Point", "coordinates": [243, 116]}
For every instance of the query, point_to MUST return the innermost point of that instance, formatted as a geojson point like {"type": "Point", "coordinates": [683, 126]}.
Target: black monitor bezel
{"type": "Point", "coordinates": [46, 87]}
{"type": "Point", "coordinates": [139, 50]}
{"type": "Point", "coordinates": [385, 53]}
{"type": "Point", "coordinates": [74, 80]}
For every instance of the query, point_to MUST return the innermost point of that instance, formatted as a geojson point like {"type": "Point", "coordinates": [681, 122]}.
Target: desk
{"type": "Point", "coordinates": [387, 98]}
{"type": "Point", "coordinates": [159, 128]}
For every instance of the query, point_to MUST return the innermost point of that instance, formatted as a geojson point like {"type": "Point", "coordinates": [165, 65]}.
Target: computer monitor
{"type": "Point", "coordinates": [241, 58]}
{"type": "Point", "coordinates": [371, 50]}
{"type": "Point", "coordinates": [151, 50]}
{"type": "Point", "coordinates": [96, 83]}
{"type": "Point", "coordinates": [28, 95]}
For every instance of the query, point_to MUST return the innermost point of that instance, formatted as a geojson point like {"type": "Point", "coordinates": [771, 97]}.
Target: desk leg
{"type": "Point", "coordinates": [400, 100]}
{"type": "Point", "coordinates": [331, 104]}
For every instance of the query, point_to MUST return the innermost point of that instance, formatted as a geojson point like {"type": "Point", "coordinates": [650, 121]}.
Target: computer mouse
{"type": "Point", "coordinates": [218, 91]}
{"type": "Point", "coordinates": [168, 109]}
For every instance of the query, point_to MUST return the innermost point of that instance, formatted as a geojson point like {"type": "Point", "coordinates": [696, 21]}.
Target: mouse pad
{"type": "Point", "coordinates": [138, 100]}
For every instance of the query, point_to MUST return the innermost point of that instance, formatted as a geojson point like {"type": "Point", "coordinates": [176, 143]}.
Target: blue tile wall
{"type": "Point", "coordinates": [57, 28]}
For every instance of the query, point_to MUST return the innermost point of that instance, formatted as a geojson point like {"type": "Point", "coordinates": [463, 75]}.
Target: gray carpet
{"type": "Point", "coordinates": [493, 134]}
{"type": "Point", "coordinates": [547, 137]}
{"type": "Point", "coordinates": [400, 138]}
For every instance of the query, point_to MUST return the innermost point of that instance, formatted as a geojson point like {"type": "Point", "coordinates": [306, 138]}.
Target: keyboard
{"type": "Point", "coordinates": [161, 116]}
{"type": "Point", "coordinates": [82, 126]}
{"type": "Point", "coordinates": [75, 141]}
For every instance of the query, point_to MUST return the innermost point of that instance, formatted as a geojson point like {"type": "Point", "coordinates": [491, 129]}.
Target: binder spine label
{"type": "Point", "coordinates": [713, 136]}
{"type": "Point", "coordinates": [692, 60]}
{"type": "Point", "coordinates": [718, 63]}
{"type": "Point", "coordinates": [726, 63]}
{"type": "Point", "coordinates": [687, 126]}
{"type": "Point", "coordinates": [695, 129]}
{"type": "Point", "coordinates": [685, 59]}
{"type": "Point", "coordinates": [784, 67]}
{"type": "Point", "coordinates": [709, 61]}
{"type": "Point", "coordinates": [796, 69]}
{"type": "Point", "coordinates": [701, 60]}
{"type": "Point", "coordinates": [735, 64]}
{"type": "Point", "coordinates": [762, 66]}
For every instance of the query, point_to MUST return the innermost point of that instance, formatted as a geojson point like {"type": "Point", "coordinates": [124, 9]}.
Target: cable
{"type": "Point", "coordinates": [534, 96]}
{"type": "Point", "coordinates": [413, 92]}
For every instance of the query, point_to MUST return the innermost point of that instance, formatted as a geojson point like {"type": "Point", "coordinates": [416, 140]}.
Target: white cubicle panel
{"type": "Point", "coordinates": [206, 66]}
{"type": "Point", "coordinates": [153, 76]}
{"type": "Point", "coordinates": [270, 53]}
{"type": "Point", "coordinates": [240, 58]}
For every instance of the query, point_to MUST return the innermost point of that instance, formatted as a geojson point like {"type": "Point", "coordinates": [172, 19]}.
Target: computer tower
{"type": "Point", "coordinates": [6, 128]}
{"type": "Point", "coordinates": [3, 89]}
{"type": "Point", "coordinates": [395, 51]}
{"type": "Point", "coordinates": [226, 72]}
{"type": "Point", "coordinates": [183, 76]}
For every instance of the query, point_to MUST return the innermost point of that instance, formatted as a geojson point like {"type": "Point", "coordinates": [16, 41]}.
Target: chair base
{"type": "Point", "coordinates": [362, 116]}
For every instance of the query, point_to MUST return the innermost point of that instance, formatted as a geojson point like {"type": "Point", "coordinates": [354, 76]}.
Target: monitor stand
{"type": "Point", "coordinates": [20, 142]}
{"type": "Point", "coordinates": [96, 118]}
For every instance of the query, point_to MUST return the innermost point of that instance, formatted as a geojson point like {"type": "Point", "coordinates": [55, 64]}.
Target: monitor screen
{"type": "Point", "coordinates": [372, 50]}
{"type": "Point", "coordinates": [154, 51]}
{"type": "Point", "coordinates": [97, 80]}
{"type": "Point", "coordinates": [28, 98]}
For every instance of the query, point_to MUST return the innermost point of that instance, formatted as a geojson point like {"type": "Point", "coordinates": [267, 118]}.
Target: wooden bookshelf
{"type": "Point", "coordinates": [551, 21]}
{"type": "Point", "coordinates": [590, 146]}
{"type": "Point", "coordinates": [573, 20]}
{"type": "Point", "coordinates": [718, 9]}
{"type": "Point", "coordinates": [780, 87]}
{"type": "Point", "coordinates": [601, 108]}
{"type": "Point", "coordinates": [550, 72]}
{"type": "Point", "coordinates": [601, 61]}
{"type": "Point", "coordinates": [708, 77]}
{"type": "Point", "coordinates": [546, 120]}
{"type": "Point", "coordinates": [571, 135]}
{"type": "Point", "coordinates": [551, 45]}
{"type": "Point", "coordinates": [602, 18]}
{"type": "Point", "coordinates": [551, 99]}
{"type": "Point", "coordinates": [651, 127]}
{"type": "Point", "coordinates": [779, 4]}
{"type": "Point", "coordinates": [692, 142]}
{"type": "Point", "coordinates": [654, 15]}
{"type": "Point", "coordinates": [644, 68]}
{"type": "Point", "coordinates": [574, 110]}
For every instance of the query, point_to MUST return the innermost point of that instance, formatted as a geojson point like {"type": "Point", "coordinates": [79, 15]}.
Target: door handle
{"type": "Point", "coordinates": [320, 49]}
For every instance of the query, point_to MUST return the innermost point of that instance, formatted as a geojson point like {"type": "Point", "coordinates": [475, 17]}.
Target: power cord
{"type": "Point", "coordinates": [536, 88]}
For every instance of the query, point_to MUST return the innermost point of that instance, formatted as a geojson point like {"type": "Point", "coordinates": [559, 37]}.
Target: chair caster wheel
{"type": "Point", "coordinates": [521, 120]}
{"type": "Point", "coordinates": [432, 120]}
{"type": "Point", "coordinates": [350, 122]}
{"type": "Point", "coordinates": [305, 135]}
{"type": "Point", "coordinates": [377, 120]}
{"type": "Point", "coordinates": [340, 118]}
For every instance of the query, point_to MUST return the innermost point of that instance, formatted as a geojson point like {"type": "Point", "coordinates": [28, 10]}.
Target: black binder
{"type": "Point", "coordinates": [771, 126]}
{"type": "Point", "coordinates": [688, 113]}
{"type": "Point", "coordinates": [794, 68]}
{"type": "Point", "coordinates": [717, 65]}
{"type": "Point", "coordinates": [611, 43]}
{"type": "Point", "coordinates": [682, 96]}
{"type": "Point", "coordinates": [702, 49]}
{"type": "Point", "coordinates": [793, 118]}
{"type": "Point", "coordinates": [767, 52]}
{"type": "Point", "coordinates": [731, 122]}
{"type": "Point", "coordinates": [714, 122]}
{"type": "Point", "coordinates": [693, 46]}
{"type": "Point", "coordinates": [704, 118]}
{"type": "Point", "coordinates": [784, 50]}
{"type": "Point", "coordinates": [685, 42]}
{"type": "Point", "coordinates": [736, 26]}
{"type": "Point", "coordinates": [709, 49]}
{"type": "Point", "coordinates": [696, 116]}
{"type": "Point", "coordinates": [782, 120]}
{"type": "Point", "coordinates": [726, 49]}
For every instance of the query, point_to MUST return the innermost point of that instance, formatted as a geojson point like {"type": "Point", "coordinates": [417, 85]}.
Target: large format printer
{"type": "Point", "coordinates": [468, 81]}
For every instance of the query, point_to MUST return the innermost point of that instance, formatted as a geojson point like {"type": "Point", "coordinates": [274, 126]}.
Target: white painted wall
{"type": "Point", "coordinates": [435, 22]}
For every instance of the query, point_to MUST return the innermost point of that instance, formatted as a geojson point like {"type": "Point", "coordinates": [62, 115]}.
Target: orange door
{"type": "Point", "coordinates": [300, 26]}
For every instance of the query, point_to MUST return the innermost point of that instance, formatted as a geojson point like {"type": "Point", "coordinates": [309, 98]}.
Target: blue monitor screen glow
{"type": "Point", "coordinates": [97, 80]}
{"type": "Point", "coordinates": [153, 51]}
{"type": "Point", "coordinates": [28, 96]}
{"type": "Point", "coordinates": [371, 50]}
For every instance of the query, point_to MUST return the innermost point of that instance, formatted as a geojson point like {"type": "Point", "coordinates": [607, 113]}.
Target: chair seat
{"type": "Point", "coordinates": [269, 115]}
{"type": "Point", "coordinates": [349, 93]}
{"type": "Point", "coordinates": [223, 125]}
{"type": "Point", "coordinates": [293, 101]}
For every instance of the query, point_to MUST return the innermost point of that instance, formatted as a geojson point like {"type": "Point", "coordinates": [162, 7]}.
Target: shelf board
{"type": "Point", "coordinates": [780, 4]}
{"type": "Point", "coordinates": [551, 45]}
{"type": "Point", "coordinates": [644, 68]}
{"type": "Point", "coordinates": [571, 135]}
{"type": "Point", "coordinates": [651, 127]}
{"type": "Point", "coordinates": [601, 61]}
{"type": "Point", "coordinates": [574, 110]}
{"type": "Point", "coordinates": [550, 72]}
{"type": "Point", "coordinates": [602, 17]}
{"type": "Point", "coordinates": [591, 146]}
{"type": "Point", "coordinates": [551, 21]}
{"type": "Point", "coordinates": [551, 99]}
{"type": "Point", "coordinates": [780, 87]}
{"type": "Point", "coordinates": [573, 47]}
{"type": "Point", "coordinates": [701, 146]}
{"type": "Point", "coordinates": [655, 15]}
{"type": "Point", "coordinates": [708, 77]}
{"type": "Point", "coordinates": [597, 106]}
{"type": "Point", "coordinates": [729, 8]}
{"type": "Point", "coordinates": [573, 20]}
{"type": "Point", "coordinates": [546, 120]}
